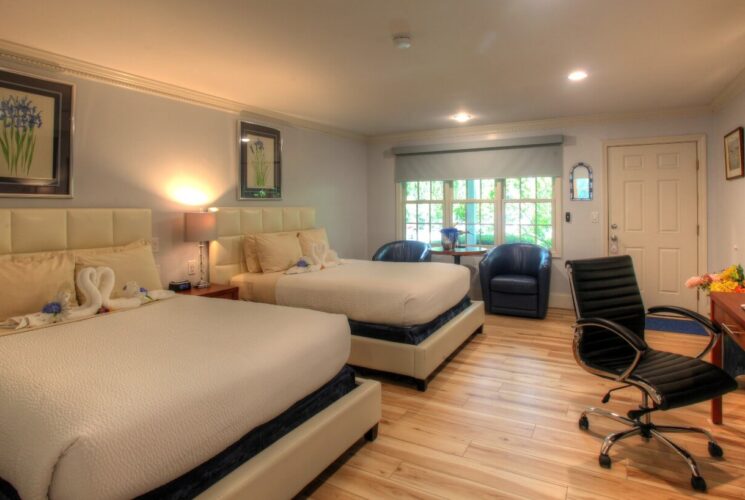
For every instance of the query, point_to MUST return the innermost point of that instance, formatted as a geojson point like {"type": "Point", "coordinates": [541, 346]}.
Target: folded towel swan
{"type": "Point", "coordinates": [96, 286]}
{"type": "Point", "coordinates": [321, 257]}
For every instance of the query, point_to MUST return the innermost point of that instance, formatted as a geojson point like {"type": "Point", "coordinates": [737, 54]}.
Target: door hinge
{"type": "Point", "coordinates": [697, 162]}
{"type": "Point", "coordinates": [697, 229]}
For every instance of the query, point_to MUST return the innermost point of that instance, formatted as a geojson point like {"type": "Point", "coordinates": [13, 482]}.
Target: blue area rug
{"type": "Point", "coordinates": [674, 325]}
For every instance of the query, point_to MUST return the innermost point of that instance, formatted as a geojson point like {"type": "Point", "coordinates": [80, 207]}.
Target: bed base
{"type": "Point", "coordinates": [286, 467]}
{"type": "Point", "coordinates": [418, 361]}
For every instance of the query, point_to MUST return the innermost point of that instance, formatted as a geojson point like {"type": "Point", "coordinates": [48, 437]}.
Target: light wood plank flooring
{"type": "Point", "coordinates": [500, 421]}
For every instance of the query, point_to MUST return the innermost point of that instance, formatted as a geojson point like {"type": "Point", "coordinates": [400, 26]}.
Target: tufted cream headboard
{"type": "Point", "coordinates": [226, 253]}
{"type": "Point", "coordinates": [24, 230]}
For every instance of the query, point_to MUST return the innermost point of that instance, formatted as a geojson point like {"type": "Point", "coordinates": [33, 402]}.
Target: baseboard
{"type": "Point", "coordinates": [560, 301]}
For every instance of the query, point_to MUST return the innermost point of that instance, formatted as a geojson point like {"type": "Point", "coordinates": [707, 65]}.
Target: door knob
{"type": "Point", "coordinates": [614, 226]}
{"type": "Point", "coordinates": [614, 237]}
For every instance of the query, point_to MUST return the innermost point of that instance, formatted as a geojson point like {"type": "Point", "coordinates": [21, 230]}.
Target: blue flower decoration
{"type": "Point", "coordinates": [143, 290]}
{"type": "Point", "coordinates": [52, 308]}
{"type": "Point", "coordinates": [302, 263]}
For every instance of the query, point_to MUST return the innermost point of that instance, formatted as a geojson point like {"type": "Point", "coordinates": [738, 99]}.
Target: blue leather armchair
{"type": "Point", "coordinates": [515, 280]}
{"type": "Point", "coordinates": [404, 251]}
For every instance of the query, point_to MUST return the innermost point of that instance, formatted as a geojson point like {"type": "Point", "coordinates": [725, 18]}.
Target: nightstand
{"type": "Point", "coordinates": [214, 291]}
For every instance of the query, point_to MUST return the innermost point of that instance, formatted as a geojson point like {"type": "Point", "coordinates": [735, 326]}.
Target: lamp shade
{"type": "Point", "coordinates": [200, 226]}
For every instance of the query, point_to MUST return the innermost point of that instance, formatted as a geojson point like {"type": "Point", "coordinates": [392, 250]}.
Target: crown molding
{"type": "Point", "coordinates": [730, 91]}
{"type": "Point", "coordinates": [532, 125]}
{"type": "Point", "coordinates": [24, 58]}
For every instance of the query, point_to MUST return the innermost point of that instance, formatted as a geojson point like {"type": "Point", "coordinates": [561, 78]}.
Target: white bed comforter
{"type": "Point", "coordinates": [390, 293]}
{"type": "Point", "coordinates": [116, 405]}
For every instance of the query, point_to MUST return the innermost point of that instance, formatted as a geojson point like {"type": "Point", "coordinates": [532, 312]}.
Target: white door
{"type": "Point", "coordinates": [653, 217]}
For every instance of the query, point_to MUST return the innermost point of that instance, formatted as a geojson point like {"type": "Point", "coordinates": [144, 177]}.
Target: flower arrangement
{"type": "Point", "coordinates": [19, 119]}
{"type": "Point", "coordinates": [731, 280]}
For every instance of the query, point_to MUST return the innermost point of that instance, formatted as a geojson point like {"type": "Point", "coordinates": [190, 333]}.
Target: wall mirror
{"type": "Point", "coordinates": [580, 182]}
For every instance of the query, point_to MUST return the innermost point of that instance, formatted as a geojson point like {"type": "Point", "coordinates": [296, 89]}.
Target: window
{"type": "Point", "coordinates": [424, 210]}
{"type": "Point", "coordinates": [490, 211]}
{"type": "Point", "coordinates": [473, 210]}
{"type": "Point", "coordinates": [528, 211]}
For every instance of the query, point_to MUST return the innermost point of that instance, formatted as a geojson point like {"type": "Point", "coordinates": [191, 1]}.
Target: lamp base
{"type": "Point", "coordinates": [202, 284]}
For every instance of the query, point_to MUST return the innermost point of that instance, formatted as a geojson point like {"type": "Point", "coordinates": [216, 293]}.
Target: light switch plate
{"type": "Point", "coordinates": [595, 216]}
{"type": "Point", "coordinates": [191, 267]}
{"type": "Point", "coordinates": [155, 243]}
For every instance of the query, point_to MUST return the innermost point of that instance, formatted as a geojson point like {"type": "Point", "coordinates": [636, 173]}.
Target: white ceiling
{"type": "Point", "coordinates": [333, 62]}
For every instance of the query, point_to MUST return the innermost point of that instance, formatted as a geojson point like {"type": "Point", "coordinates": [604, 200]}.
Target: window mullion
{"type": "Point", "coordinates": [498, 212]}
{"type": "Point", "coordinates": [448, 204]}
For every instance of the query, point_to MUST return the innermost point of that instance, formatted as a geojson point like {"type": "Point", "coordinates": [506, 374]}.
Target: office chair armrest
{"type": "Point", "coordinates": [637, 343]}
{"type": "Point", "coordinates": [714, 331]}
{"type": "Point", "coordinates": [634, 340]}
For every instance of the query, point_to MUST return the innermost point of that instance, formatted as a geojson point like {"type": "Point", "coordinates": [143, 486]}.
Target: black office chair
{"type": "Point", "coordinates": [609, 342]}
{"type": "Point", "coordinates": [404, 251]}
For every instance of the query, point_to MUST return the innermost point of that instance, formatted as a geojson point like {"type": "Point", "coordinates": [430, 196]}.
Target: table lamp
{"type": "Point", "coordinates": [200, 227]}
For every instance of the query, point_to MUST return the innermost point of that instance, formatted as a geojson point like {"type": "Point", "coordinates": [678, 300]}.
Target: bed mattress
{"type": "Point", "coordinates": [118, 405]}
{"type": "Point", "coordinates": [205, 475]}
{"type": "Point", "coordinates": [412, 335]}
{"type": "Point", "coordinates": [385, 293]}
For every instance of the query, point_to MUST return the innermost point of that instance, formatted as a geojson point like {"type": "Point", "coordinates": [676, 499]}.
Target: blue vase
{"type": "Point", "coordinates": [449, 238]}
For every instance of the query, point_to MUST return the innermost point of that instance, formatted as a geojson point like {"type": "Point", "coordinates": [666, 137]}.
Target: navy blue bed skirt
{"type": "Point", "coordinates": [408, 334]}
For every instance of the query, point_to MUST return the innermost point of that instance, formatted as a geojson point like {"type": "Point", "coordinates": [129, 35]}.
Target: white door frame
{"type": "Point", "coordinates": [700, 140]}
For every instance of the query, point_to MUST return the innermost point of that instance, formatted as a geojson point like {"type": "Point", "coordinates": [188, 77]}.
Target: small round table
{"type": "Point", "coordinates": [458, 252]}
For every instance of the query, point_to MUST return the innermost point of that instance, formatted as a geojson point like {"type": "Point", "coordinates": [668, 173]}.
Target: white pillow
{"type": "Point", "coordinates": [309, 237]}
{"type": "Point", "coordinates": [31, 281]}
{"type": "Point", "coordinates": [133, 262]}
{"type": "Point", "coordinates": [277, 251]}
{"type": "Point", "coordinates": [250, 253]}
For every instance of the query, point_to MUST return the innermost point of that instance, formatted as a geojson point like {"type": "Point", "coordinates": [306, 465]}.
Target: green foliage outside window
{"type": "Point", "coordinates": [527, 210]}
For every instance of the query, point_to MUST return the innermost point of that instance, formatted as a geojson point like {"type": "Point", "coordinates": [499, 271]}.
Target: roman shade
{"type": "Point", "coordinates": [522, 157]}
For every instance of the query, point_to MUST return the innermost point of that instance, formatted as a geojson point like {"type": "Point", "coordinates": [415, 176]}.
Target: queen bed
{"type": "Point", "coordinates": [405, 318]}
{"type": "Point", "coordinates": [177, 398]}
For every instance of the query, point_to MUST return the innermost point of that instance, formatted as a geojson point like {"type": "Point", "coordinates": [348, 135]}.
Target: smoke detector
{"type": "Point", "coordinates": [402, 40]}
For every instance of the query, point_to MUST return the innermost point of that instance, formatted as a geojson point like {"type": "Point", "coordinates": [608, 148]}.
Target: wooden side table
{"type": "Point", "coordinates": [215, 291]}
{"type": "Point", "coordinates": [726, 313]}
{"type": "Point", "coordinates": [458, 252]}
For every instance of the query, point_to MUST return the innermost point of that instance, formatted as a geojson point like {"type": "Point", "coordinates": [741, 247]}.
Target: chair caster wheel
{"type": "Point", "coordinates": [715, 450]}
{"type": "Point", "coordinates": [604, 461]}
{"type": "Point", "coordinates": [584, 424]}
{"type": "Point", "coordinates": [698, 483]}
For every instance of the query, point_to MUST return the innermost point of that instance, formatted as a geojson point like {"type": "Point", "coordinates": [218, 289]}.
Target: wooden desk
{"type": "Point", "coordinates": [458, 252]}
{"type": "Point", "coordinates": [726, 313]}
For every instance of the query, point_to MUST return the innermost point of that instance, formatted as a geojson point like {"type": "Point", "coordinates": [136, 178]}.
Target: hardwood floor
{"type": "Point", "coordinates": [500, 420]}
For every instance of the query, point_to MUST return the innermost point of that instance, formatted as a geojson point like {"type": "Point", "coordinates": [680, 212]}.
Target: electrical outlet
{"type": "Point", "coordinates": [191, 267]}
{"type": "Point", "coordinates": [155, 244]}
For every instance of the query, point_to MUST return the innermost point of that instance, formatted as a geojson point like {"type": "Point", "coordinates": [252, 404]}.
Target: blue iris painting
{"type": "Point", "coordinates": [260, 164]}
{"type": "Point", "coordinates": [19, 119]}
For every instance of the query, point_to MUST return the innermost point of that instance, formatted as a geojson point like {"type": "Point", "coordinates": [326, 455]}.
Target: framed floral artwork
{"type": "Point", "coordinates": [261, 163]}
{"type": "Point", "coordinates": [36, 118]}
{"type": "Point", "coordinates": [733, 154]}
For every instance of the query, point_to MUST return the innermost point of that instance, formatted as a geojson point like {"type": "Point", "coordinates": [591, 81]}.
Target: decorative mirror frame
{"type": "Point", "coordinates": [571, 181]}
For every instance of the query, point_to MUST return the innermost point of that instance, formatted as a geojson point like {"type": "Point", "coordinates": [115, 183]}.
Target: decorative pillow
{"type": "Point", "coordinates": [309, 237]}
{"type": "Point", "coordinates": [32, 280]}
{"type": "Point", "coordinates": [249, 250]}
{"type": "Point", "coordinates": [277, 251]}
{"type": "Point", "coordinates": [133, 262]}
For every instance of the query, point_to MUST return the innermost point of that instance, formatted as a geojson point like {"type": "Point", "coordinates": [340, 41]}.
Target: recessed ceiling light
{"type": "Point", "coordinates": [461, 117]}
{"type": "Point", "coordinates": [578, 75]}
{"type": "Point", "coordinates": [402, 40]}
